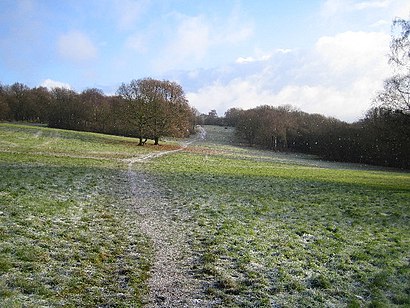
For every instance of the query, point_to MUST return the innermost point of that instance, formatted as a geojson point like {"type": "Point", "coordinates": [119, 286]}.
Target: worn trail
{"type": "Point", "coordinates": [172, 282]}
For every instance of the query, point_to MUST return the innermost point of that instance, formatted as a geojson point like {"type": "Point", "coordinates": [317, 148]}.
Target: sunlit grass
{"type": "Point", "coordinates": [56, 142]}
{"type": "Point", "coordinates": [68, 233]}
{"type": "Point", "coordinates": [275, 233]}
{"type": "Point", "coordinates": [266, 229]}
{"type": "Point", "coordinates": [222, 165]}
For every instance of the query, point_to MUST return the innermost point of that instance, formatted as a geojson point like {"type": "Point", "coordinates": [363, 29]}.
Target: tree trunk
{"type": "Point", "coordinates": [156, 140]}
{"type": "Point", "coordinates": [285, 141]}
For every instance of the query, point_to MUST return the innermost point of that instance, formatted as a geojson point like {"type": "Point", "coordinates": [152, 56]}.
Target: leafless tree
{"type": "Point", "coordinates": [400, 44]}
{"type": "Point", "coordinates": [396, 93]}
{"type": "Point", "coordinates": [156, 108]}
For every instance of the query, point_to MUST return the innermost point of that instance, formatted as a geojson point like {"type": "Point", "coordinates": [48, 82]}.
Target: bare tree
{"type": "Point", "coordinates": [396, 93]}
{"type": "Point", "coordinates": [400, 44]}
{"type": "Point", "coordinates": [67, 110]}
{"type": "Point", "coordinates": [156, 108]}
{"type": "Point", "coordinates": [248, 126]}
{"type": "Point", "coordinates": [4, 106]}
{"type": "Point", "coordinates": [136, 109]}
{"type": "Point", "coordinates": [94, 99]}
{"type": "Point", "coordinates": [41, 100]}
{"type": "Point", "coordinates": [232, 116]}
{"type": "Point", "coordinates": [19, 101]}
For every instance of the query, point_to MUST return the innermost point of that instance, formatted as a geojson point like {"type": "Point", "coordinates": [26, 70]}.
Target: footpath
{"type": "Point", "coordinates": [172, 282]}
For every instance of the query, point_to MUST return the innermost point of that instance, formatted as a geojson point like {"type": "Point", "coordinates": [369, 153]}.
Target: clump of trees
{"type": "Point", "coordinates": [145, 108]}
{"type": "Point", "coordinates": [382, 137]}
{"type": "Point", "coordinates": [149, 109]}
{"type": "Point", "coordinates": [156, 108]}
{"type": "Point", "coordinates": [211, 118]}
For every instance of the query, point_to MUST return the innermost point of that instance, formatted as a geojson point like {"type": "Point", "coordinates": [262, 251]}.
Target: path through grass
{"type": "Point", "coordinates": [68, 233]}
{"type": "Point", "coordinates": [262, 229]}
{"type": "Point", "coordinates": [276, 232]}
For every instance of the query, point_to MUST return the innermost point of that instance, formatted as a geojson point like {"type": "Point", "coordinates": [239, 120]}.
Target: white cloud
{"type": "Point", "coordinates": [334, 7]}
{"type": "Point", "coordinates": [137, 42]}
{"type": "Point", "coordinates": [245, 60]}
{"type": "Point", "coordinates": [190, 41]}
{"type": "Point", "coordinates": [192, 38]}
{"type": "Point", "coordinates": [327, 100]}
{"type": "Point", "coordinates": [380, 23]}
{"type": "Point", "coordinates": [260, 56]}
{"type": "Point", "coordinates": [372, 4]}
{"type": "Point", "coordinates": [232, 29]}
{"type": "Point", "coordinates": [234, 32]}
{"type": "Point", "coordinates": [51, 84]}
{"type": "Point", "coordinates": [129, 12]}
{"type": "Point", "coordinates": [195, 38]}
{"type": "Point", "coordinates": [236, 35]}
{"type": "Point", "coordinates": [350, 68]}
{"type": "Point", "coordinates": [240, 93]}
{"type": "Point", "coordinates": [253, 59]}
{"type": "Point", "coordinates": [401, 8]}
{"type": "Point", "coordinates": [338, 77]}
{"type": "Point", "coordinates": [353, 51]}
{"type": "Point", "coordinates": [77, 47]}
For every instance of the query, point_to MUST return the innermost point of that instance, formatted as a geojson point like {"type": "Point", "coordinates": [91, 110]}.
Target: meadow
{"type": "Point", "coordinates": [283, 230]}
{"type": "Point", "coordinates": [68, 233]}
{"type": "Point", "coordinates": [266, 229]}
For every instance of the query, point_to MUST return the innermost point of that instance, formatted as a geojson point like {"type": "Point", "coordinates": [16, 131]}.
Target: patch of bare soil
{"type": "Point", "coordinates": [172, 282]}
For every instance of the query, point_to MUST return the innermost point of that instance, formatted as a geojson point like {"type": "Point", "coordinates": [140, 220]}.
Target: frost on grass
{"type": "Point", "coordinates": [67, 240]}
{"type": "Point", "coordinates": [270, 233]}
{"type": "Point", "coordinates": [71, 228]}
{"type": "Point", "coordinates": [229, 227]}
{"type": "Point", "coordinates": [172, 282]}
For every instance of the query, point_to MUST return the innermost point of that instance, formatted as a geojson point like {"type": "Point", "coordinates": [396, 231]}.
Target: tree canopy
{"type": "Point", "coordinates": [156, 108]}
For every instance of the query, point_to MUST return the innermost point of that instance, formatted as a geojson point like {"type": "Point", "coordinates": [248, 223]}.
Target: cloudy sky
{"type": "Point", "coordinates": [321, 56]}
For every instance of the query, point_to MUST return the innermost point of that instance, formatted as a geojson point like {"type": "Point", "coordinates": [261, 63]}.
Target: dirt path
{"type": "Point", "coordinates": [172, 282]}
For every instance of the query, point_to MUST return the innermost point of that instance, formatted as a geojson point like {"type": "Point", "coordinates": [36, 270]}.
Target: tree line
{"type": "Point", "coordinates": [382, 137]}
{"type": "Point", "coordinates": [145, 108]}
{"type": "Point", "coordinates": [149, 109]}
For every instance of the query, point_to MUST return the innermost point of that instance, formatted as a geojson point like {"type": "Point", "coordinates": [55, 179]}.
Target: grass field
{"type": "Point", "coordinates": [68, 234]}
{"type": "Point", "coordinates": [268, 229]}
{"type": "Point", "coordinates": [280, 230]}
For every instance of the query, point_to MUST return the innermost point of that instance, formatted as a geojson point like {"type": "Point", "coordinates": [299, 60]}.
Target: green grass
{"type": "Point", "coordinates": [68, 234]}
{"type": "Point", "coordinates": [62, 143]}
{"type": "Point", "coordinates": [267, 229]}
{"type": "Point", "coordinates": [275, 233]}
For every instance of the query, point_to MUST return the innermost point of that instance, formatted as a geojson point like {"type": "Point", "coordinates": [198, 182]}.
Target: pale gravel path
{"type": "Point", "coordinates": [172, 282]}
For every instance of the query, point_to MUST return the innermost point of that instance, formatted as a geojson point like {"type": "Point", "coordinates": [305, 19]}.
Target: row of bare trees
{"type": "Point", "coordinates": [381, 138]}
{"type": "Point", "coordinates": [145, 108]}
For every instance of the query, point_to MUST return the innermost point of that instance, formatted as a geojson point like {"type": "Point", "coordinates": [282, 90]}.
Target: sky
{"type": "Point", "coordinates": [320, 56]}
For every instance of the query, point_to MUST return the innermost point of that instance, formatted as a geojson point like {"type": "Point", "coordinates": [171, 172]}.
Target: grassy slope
{"type": "Point", "coordinates": [268, 229]}
{"type": "Point", "coordinates": [68, 235]}
{"type": "Point", "coordinates": [275, 230]}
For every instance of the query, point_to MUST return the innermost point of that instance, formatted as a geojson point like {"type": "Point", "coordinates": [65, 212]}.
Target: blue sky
{"type": "Point", "coordinates": [325, 56]}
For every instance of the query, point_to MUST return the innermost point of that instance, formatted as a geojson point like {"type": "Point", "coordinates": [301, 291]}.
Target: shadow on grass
{"type": "Point", "coordinates": [69, 237]}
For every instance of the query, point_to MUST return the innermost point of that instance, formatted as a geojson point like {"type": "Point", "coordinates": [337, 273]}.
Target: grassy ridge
{"type": "Point", "coordinates": [68, 234]}
{"type": "Point", "coordinates": [270, 233]}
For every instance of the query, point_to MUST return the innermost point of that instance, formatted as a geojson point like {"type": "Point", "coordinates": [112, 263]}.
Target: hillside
{"type": "Point", "coordinates": [95, 220]}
